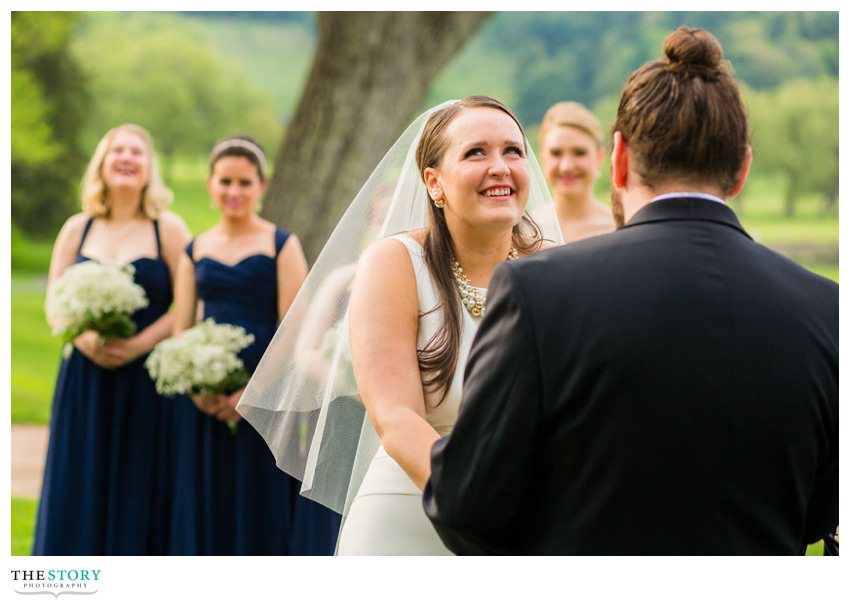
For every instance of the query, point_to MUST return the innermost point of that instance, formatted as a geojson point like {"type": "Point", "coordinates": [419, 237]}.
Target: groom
{"type": "Point", "coordinates": [671, 388]}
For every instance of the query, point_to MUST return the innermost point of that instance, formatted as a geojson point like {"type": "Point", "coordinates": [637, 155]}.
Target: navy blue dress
{"type": "Point", "coordinates": [105, 473]}
{"type": "Point", "coordinates": [229, 496]}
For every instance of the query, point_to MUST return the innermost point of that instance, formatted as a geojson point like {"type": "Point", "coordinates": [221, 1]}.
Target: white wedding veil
{"type": "Point", "coordinates": [302, 398]}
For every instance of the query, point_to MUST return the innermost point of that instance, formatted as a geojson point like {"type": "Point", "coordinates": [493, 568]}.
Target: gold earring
{"type": "Point", "coordinates": [439, 203]}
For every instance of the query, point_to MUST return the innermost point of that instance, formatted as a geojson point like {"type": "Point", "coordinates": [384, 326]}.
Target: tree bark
{"type": "Point", "coordinates": [370, 75]}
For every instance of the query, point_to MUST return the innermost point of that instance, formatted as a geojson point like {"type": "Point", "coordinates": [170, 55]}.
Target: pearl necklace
{"type": "Point", "coordinates": [471, 296]}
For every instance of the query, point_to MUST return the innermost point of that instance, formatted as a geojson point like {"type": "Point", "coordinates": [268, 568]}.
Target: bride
{"type": "Point", "coordinates": [406, 326]}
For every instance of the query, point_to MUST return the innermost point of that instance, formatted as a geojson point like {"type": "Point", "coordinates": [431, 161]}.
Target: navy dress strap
{"type": "Point", "coordinates": [190, 251]}
{"type": "Point", "coordinates": [280, 238]}
{"type": "Point", "coordinates": [158, 241]}
{"type": "Point", "coordinates": [85, 233]}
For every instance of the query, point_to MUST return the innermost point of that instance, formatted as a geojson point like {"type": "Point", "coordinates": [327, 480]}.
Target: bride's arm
{"type": "Point", "coordinates": [383, 323]}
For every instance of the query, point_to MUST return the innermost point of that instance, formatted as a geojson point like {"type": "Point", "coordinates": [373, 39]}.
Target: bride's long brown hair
{"type": "Point", "coordinates": [438, 359]}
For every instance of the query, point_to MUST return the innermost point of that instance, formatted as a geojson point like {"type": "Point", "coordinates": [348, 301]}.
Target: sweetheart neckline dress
{"type": "Point", "coordinates": [104, 490]}
{"type": "Point", "coordinates": [229, 497]}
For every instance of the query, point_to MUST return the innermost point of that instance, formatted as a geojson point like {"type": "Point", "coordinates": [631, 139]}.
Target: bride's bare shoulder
{"type": "Point", "coordinates": [392, 246]}
{"type": "Point", "coordinates": [385, 275]}
{"type": "Point", "coordinates": [387, 256]}
{"type": "Point", "coordinates": [419, 235]}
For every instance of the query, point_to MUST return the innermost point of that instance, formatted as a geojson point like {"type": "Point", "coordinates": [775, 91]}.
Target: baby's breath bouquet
{"type": "Point", "coordinates": [201, 360]}
{"type": "Point", "coordinates": [94, 296]}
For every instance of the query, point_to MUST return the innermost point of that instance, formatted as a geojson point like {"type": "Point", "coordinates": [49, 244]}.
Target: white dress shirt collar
{"type": "Point", "coordinates": [688, 195]}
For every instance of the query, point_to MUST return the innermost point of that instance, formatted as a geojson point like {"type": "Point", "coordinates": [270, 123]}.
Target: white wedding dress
{"type": "Point", "coordinates": [386, 515]}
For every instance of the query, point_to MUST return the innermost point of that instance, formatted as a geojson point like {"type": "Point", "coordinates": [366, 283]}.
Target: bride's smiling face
{"type": "Point", "coordinates": [483, 175]}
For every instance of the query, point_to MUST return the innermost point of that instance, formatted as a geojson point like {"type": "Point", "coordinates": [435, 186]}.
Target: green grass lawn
{"type": "Point", "coordinates": [761, 212]}
{"type": "Point", "coordinates": [815, 549]}
{"type": "Point", "coordinates": [35, 352]}
{"type": "Point", "coordinates": [29, 256]}
{"type": "Point", "coordinates": [23, 525]}
{"type": "Point", "coordinates": [830, 271]}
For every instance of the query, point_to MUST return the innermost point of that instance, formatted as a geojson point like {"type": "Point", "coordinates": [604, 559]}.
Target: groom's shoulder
{"type": "Point", "coordinates": [587, 251]}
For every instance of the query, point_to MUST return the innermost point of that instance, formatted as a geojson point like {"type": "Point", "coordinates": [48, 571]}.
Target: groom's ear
{"type": "Point", "coordinates": [742, 174]}
{"type": "Point", "coordinates": [619, 161]}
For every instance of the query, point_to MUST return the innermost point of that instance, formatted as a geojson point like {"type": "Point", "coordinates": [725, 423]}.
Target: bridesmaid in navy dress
{"type": "Point", "coordinates": [104, 489]}
{"type": "Point", "coordinates": [229, 496]}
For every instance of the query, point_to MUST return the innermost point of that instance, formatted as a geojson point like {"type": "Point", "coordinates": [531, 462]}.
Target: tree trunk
{"type": "Point", "coordinates": [370, 74]}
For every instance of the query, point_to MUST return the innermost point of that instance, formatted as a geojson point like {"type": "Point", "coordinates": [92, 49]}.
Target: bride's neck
{"type": "Point", "coordinates": [479, 253]}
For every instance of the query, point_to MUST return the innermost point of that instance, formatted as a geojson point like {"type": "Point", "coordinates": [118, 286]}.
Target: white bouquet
{"type": "Point", "coordinates": [201, 360]}
{"type": "Point", "coordinates": [94, 296]}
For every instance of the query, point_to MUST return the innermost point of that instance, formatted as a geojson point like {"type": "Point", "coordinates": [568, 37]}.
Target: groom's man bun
{"type": "Point", "coordinates": [683, 117]}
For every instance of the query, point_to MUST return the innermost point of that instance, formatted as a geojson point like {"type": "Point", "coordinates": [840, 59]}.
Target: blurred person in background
{"type": "Point", "coordinates": [229, 496]}
{"type": "Point", "coordinates": [572, 153]}
{"type": "Point", "coordinates": [104, 490]}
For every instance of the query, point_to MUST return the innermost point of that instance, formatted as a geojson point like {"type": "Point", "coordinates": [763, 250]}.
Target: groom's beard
{"type": "Point", "coordinates": [617, 209]}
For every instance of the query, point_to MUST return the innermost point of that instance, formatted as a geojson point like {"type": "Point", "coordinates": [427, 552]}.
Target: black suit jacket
{"type": "Point", "coordinates": [671, 388]}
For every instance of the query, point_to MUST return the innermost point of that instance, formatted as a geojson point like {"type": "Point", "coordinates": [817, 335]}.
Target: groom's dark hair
{"type": "Point", "coordinates": [682, 116]}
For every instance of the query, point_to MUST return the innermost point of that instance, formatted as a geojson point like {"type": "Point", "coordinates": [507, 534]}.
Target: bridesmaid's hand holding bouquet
{"type": "Point", "coordinates": [200, 361]}
{"type": "Point", "coordinates": [92, 296]}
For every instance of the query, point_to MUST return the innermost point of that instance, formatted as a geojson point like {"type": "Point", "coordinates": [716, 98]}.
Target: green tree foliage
{"type": "Point", "coordinates": [170, 81]}
{"type": "Point", "coordinates": [49, 105]}
{"type": "Point", "coordinates": [587, 56]}
{"type": "Point", "coordinates": [795, 134]}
